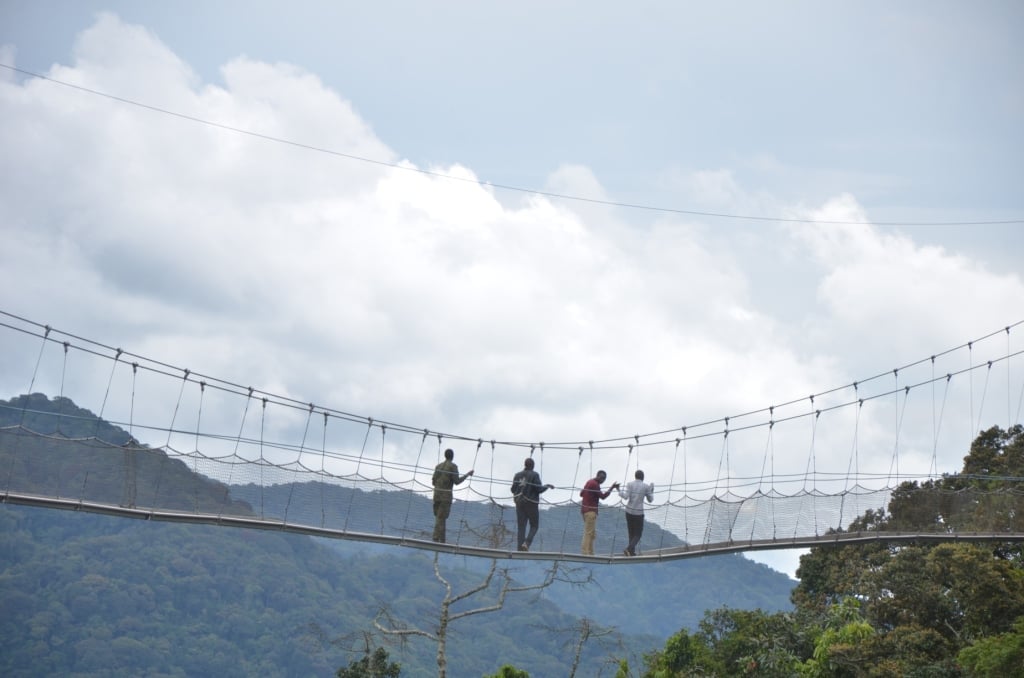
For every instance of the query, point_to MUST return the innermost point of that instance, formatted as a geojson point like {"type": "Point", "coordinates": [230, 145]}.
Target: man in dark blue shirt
{"type": "Point", "coordinates": [526, 490]}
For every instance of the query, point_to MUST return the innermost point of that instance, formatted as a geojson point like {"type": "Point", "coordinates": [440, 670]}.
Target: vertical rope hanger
{"type": "Point", "coordinates": [625, 476]}
{"type": "Point", "coordinates": [129, 490]}
{"type": "Point", "coordinates": [850, 465]}
{"type": "Point", "coordinates": [811, 471]}
{"type": "Point", "coordinates": [131, 406]}
{"type": "Point", "coordinates": [412, 487]}
{"type": "Point", "coordinates": [590, 474]}
{"type": "Point", "coordinates": [305, 435]}
{"type": "Point", "coordinates": [672, 473]}
{"type": "Point", "coordinates": [970, 381]}
{"type": "Point", "coordinates": [199, 420]}
{"type": "Point", "coordinates": [298, 462]}
{"type": "Point", "coordinates": [383, 436]}
{"type": "Point", "coordinates": [437, 460]}
{"type": "Point", "coordinates": [465, 502]}
{"type": "Point", "coordinates": [618, 496]}
{"type": "Point", "coordinates": [724, 458]}
{"type": "Point", "coordinates": [541, 465]}
{"type": "Point", "coordinates": [472, 467]}
{"type": "Point", "coordinates": [894, 461]}
{"type": "Point", "coordinates": [103, 407]}
{"type": "Point", "coordinates": [262, 463]}
{"type": "Point", "coordinates": [853, 464]}
{"type": "Point", "coordinates": [771, 425]}
{"type": "Point", "coordinates": [195, 452]}
{"type": "Point", "coordinates": [174, 415]}
{"type": "Point", "coordinates": [1014, 420]}
{"type": "Point", "coordinates": [984, 394]}
{"type": "Point", "coordinates": [63, 373]}
{"type": "Point", "coordinates": [935, 431]}
{"type": "Point", "coordinates": [1009, 418]}
{"type": "Point", "coordinates": [167, 445]}
{"type": "Point", "coordinates": [572, 492]}
{"type": "Point", "coordinates": [629, 457]}
{"type": "Point", "coordinates": [362, 451]}
{"type": "Point", "coordinates": [234, 456]}
{"type": "Point", "coordinates": [668, 502]}
{"type": "Point", "coordinates": [686, 492]}
{"type": "Point", "coordinates": [35, 373]}
{"type": "Point", "coordinates": [933, 467]}
{"type": "Point", "coordinates": [900, 413]}
{"type": "Point", "coordinates": [490, 475]}
{"type": "Point", "coordinates": [942, 410]}
{"type": "Point", "coordinates": [323, 472]}
{"type": "Point", "coordinates": [355, 479]}
{"type": "Point", "coordinates": [769, 446]}
{"type": "Point", "coordinates": [383, 433]}
{"type": "Point", "coordinates": [934, 470]}
{"type": "Point", "coordinates": [1020, 401]}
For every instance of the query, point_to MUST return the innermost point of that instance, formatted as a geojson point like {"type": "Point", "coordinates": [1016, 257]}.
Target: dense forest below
{"type": "Point", "coordinates": [92, 595]}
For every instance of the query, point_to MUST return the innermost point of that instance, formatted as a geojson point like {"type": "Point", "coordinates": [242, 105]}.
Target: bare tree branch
{"type": "Point", "coordinates": [496, 534]}
{"type": "Point", "coordinates": [393, 628]}
{"type": "Point", "coordinates": [580, 633]}
{"type": "Point", "coordinates": [484, 585]}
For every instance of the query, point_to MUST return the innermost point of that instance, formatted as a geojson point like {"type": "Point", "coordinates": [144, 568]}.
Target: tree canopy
{"type": "Point", "coordinates": [891, 608]}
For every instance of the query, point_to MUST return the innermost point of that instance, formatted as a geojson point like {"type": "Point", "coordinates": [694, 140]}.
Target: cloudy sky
{"type": "Point", "coordinates": [354, 225]}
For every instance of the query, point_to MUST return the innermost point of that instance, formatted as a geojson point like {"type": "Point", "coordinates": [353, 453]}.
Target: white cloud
{"type": "Point", "coordinates": [427, 299]}
{"type": "Point", "coordinates": [892, 294]}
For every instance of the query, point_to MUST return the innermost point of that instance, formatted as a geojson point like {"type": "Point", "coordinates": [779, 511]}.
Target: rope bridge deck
{"type": "Point", "coordinates": [303, 468]}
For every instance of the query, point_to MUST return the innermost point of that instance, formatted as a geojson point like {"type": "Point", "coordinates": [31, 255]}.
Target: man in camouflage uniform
{"type": "Point", "coordinates": [446, 476]}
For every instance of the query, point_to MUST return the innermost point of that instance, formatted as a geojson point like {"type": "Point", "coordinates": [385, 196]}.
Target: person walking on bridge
{"type": "Point", "coordinates": [634, 493]}
{"type": "Point", "coordinates": [446, 476]}
{"type": "Point", "coordinates": [526, 491]}
{"type": "Point", "coordinates": [592, 495]}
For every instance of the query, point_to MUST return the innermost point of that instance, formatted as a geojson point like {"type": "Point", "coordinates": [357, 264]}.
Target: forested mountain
{"type": "Point", "coordinates": [91, 595]}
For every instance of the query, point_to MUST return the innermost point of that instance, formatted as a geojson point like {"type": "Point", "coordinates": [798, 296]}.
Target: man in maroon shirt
{"type": "Point", "coordinates": [592, 495]}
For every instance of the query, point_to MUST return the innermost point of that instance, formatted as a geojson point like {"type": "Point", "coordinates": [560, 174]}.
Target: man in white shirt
{"type": "Point", "coordinates": [634, 493]}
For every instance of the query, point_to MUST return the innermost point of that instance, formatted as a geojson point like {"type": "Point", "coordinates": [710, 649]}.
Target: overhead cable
{"type": "Point", "coordinates": [505, 187]}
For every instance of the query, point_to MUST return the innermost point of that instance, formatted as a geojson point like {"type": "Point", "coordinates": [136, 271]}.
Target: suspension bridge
{"type": "Point", "coordinates": [100, 429]}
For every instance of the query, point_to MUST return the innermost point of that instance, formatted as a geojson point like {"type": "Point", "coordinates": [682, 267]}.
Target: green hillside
{"type": "Point", "coordinates": [91, 595]}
